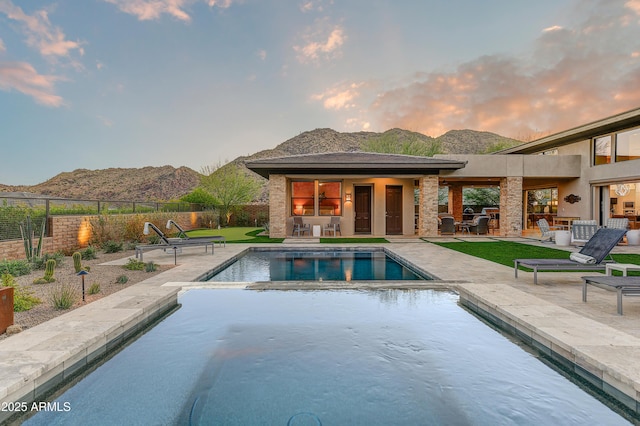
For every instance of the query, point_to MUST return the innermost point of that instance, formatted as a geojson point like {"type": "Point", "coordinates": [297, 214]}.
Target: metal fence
{"type": "Point", "coordinates": [15, 209]}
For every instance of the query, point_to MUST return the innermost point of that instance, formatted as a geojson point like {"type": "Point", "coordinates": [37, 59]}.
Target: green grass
{"type": "Point", "coordinates": [236, 235]}
{"type": "Point", "coordinates": [353, 240]}
{"type": "Point", "coordinates": [504, 252]}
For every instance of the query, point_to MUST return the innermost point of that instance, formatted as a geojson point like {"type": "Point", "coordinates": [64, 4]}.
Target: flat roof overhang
{"type": "Point", "coordinates": [607, 125]}
{"type": "Point", "coordinates": [354, 164]}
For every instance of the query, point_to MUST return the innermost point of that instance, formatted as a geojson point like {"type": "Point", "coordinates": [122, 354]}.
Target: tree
{"type": "Point", "coordinates": [482, 196]}
{"type": "Point", "coordinates": [390, 143]}
{"type": "Point", "coordinates": [230, 186]}
{"type": "Point", "coordinates": [199, 196]}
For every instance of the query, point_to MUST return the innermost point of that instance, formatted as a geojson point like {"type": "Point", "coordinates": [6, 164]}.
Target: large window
{"type": "Point", "coordinates": [323, 197]}
{"type": "Point", "coordinates": [602, 150]}
{"type": "Point", "coordinates": [303, 198]}
{"type": "Point", "coordinates": [628, 145]}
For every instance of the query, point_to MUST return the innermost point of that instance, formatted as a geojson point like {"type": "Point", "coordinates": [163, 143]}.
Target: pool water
{"type": "Point", "coordinates": [238, 357]}
{"type": "Point", "coordinates": [256, 266]}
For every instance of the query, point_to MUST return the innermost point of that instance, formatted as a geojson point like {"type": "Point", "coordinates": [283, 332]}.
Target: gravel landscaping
{"type": "Point", "coordinates": [105, 276]}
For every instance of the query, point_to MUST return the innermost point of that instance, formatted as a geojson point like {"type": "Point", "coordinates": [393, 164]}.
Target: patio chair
{"type": "Point", "coordinates": [582, 231]}
{"type": "Point", "coordinates": [332, 226]}
{"type": "Point", "coordinates": [183, 234]}
{"type": "Point", "coordinates": [548, 233]}
{"type": "Point", "coordinates": [299, 227]}
{"type": "Point", "coordinates": [624, 286]}
{"type": "Point", "coordinates": [447, 225]}
{"type": "Point", "coordinates": [590, 257]}
{"type": "Point", "coordinates": [617, 223]}
{"type": "Point", "coordinates": [480, 225]}
{"type": "Point", "coordinates": [165, 243]}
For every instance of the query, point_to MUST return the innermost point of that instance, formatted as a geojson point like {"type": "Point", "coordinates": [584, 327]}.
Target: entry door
{"type": "Point", "coordinates": [393, 204]}
{"type": "Point", "coordinates": [362, 209]}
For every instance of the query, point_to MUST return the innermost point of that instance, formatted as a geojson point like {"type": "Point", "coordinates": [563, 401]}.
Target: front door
{"type": "Point", "coordinates": [362, 209]}
{"type": "Point", "coordinates": [393, 201]}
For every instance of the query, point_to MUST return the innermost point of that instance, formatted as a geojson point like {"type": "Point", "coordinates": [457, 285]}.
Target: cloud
{"type": "Point", "coordinates": [105, 121]}
{"type": "Point", "coordinates": [147, 10]}
{"type": "Point", "coordinates": [322, 42]}
{"type": "Point", "coordinates": [49, 40]}
{"type": "Point", "coordinates": [2, 48]}
{"type": "Point", "coordinates": [576, 74]}
{"type": "Point", "coordinates": [338, 98]}
{"type": "Point", "coordinates": [262, 54]}
{"type": "Point", "coordinates": [22, 77]}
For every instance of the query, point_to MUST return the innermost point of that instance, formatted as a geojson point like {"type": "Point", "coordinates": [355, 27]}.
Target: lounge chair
{"type": "Point", "coordinates": [590, 257]}
{"type": "Point", "coordinates": [617, 223]}
{"type": "Point", "coordinates": [299, 227]}
{"type": "Point", "coordinates": [175, 244]}
{"type": "Point", "coordinates": [624, 286]}
{"type": "Point", "coordinates": [183, 234]}
{"type": "Point", "coordinates": [332, 226]}
{"type": "Point", "coordinates": [447, 225]}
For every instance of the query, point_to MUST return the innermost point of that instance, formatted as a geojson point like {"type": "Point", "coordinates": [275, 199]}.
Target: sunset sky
{"type": "Point", "coordinates": [130, 83]}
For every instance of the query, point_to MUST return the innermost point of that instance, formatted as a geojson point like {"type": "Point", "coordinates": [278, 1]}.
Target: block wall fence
{"type": "Point", "coordinates": [71, 232]}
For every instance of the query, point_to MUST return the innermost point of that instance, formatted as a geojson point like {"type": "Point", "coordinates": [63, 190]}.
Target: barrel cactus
{"type": "Point", "coordinates": [77, 261]}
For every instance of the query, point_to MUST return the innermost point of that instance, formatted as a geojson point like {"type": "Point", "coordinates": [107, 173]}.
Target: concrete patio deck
{"type": "Point", "coordinates": [590, 337]}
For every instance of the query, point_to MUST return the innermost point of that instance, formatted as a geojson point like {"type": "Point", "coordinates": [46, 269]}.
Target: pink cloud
{"type": "Point", "coordinates": [22, 77]}
{"type": "Point", "coordinates": [322, 42]}
{"type": "Point", "coordinates": [146, 10]}
{"type": "Point", "coordinates": [575, 75]}
{"type": "Point", "coordinates": [49, 40]}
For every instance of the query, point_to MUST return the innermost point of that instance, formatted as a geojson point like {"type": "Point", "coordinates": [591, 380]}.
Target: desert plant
{"type": "Point", "coordinates": [23, 299]}
{"type": "Point", "coordinates": [94, 288]}
{"type": "Point", "coordinates": [41, 262]}
{"type": "Point", "coordinates": [16, 267]}
{"type": "Point", "coordinates": [77, 261]}
{"type": "Point", "coordinates": [134, 265]}
{"type": "Point", "coordinates": [122, 279]}
{"type": "Point", "coordinates": [28, 235]}
{"type": "Point", "coordinates": [89, 253]}
{"type": "Point", "coordinates": [63, 297]}
{"type": "Point", "coordinates": [112, 246]}
{"type": "Point", "coordinates": [48, 273]}
{"type": "Point", "coordinates": [150, 267]}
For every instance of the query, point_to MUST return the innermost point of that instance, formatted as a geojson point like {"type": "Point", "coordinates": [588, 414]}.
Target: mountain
{"type": "Point", "coordinates": [167, 183]}
{"type": "Point", "coordinates": [145, 184]}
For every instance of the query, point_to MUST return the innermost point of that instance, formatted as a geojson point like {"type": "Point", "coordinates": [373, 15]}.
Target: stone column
{"type": "Point", "coordinates": [455, 202]}
{"type": "Point", "coordinates": [277, 206]}
{"type": "Point", "coordinates": [428, 206]}
{"type": "Point", "coordinates": [511, 206]}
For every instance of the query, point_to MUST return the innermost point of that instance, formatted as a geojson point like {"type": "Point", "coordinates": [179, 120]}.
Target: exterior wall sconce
{"type": "Point", "coordinates": [347, 197]}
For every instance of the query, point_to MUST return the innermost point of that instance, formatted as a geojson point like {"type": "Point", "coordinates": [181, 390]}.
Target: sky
{"type": "Point", "coordinates": [95, 84]}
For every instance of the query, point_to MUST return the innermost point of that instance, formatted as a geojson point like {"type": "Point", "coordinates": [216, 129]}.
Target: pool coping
{"type": "Point", "coordinates": [37, 360]}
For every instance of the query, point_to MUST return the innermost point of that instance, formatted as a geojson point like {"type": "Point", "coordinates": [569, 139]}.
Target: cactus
{"type": "Point", "coordinates": [77, 261]}
{"type": "Point", "coordinates": [27, 232]}
{"type": "Point", "coordinates": [48, 273]}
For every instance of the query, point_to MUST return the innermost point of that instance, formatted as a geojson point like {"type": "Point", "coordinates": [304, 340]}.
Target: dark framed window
{"type": "Point", "coordinates": [602, 150]}
{"type": "Point", "coordinates": [330, 198]}
{"type": "Point", "coordinates": [303, 198]}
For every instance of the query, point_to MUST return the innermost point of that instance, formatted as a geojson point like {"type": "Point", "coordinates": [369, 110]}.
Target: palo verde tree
{"type": "Point", "coordinates": [230, 186]}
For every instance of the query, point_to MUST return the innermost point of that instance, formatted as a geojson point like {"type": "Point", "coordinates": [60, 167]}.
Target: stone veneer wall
{"type": "Point", "coordinates": [428, 207]}
{"type": "Point", "coordinates": [71, 232]}
{"type": "Point", "coordinates": [511, 206]}
{"type": "Point", "coordinates": [277, 206]}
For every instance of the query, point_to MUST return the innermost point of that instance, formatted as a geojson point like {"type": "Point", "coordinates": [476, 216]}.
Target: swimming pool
{"type": "Point", "coordinates": [315, 265]}
{"type": "Point", "coordinates": [238, 357]}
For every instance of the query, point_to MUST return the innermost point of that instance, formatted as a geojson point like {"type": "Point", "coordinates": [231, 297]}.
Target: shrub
{"type": "Point", "coordinates": [134, 265]}
{"type": "Point", "coordinates": [150, 267]}
{"type": "Point", "coordinates": [94, 289]}
{"type": "Point", "coordinates": [63, 297]}
{"type": "Point", "coordinates": [112, 246]}
{"type": "Point", "coordinates": [41, 262]}
{"type": "Point", "coordinates": [15, 267]}
{"type": "Point", "coordinates": [89, 253]}
{"type": "Point", "coordinates": [122, 279]}
{"type": "Point", "coordinates": [23, 299]}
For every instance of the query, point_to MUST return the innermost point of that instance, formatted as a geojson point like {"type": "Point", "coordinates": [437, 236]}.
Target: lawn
{"type": "Point", "coordinates": [236, 234]}
{"type": "Point", "coordinates": [504, 252]}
